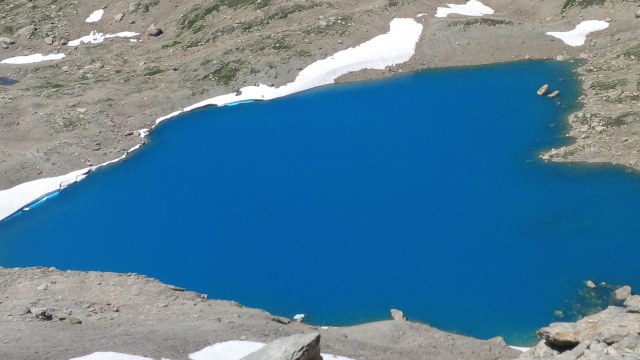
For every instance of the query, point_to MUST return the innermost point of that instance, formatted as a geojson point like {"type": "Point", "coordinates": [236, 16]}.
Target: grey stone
{"type": "Point", "coordinates": [295, 347]}
{"type": "Point", "coordinates": [118, 17]}
{"type": "Point", "coordinates": [609, 326]}
{"type": "Point", "coordinates": [632, 303]}
{"type": "Point", "coordinates": [27, 31]}
{"type": "Point", "coordinates": [637, 13]}
{"type": "Point", "coordinates": [398, 315]}
{"type": "Point", "coordinates": [7, 40]}
{"type": "Point", "coordinates": [154, 30]}
{"type": "Point", "coordinates": [49, 40]}
{"type": "Point", "coordinates": [560, 334]}
{"type": "Point", "coordinates": [42, 314]}
{"type": "Point", "coordinates": [631, 342]}
{"type": "Point", "coordinates": [621, 294]}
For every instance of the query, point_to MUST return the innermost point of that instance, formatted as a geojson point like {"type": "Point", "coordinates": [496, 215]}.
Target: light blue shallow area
{"type": "Point", "coordinates": [423, 192]}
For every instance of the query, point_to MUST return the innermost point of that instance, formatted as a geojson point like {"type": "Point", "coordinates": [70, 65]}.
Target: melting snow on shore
{"type": "Point", "coordinates": [95, 37]}
{"type": "Point", "coordinates": [14, 199]}
{"type": "Point", "coordinates": [578, 36]}
{"type": "Point", "coordinates": [95, 16]}
{"type": "Point", "coordinates": [228, 350]}
{"type": "Point", "coordinates": [471, 8]}
{"type": "Point", "coordinates": [31, 59]}
{"type": "Point", "coordinates": [395, 47]}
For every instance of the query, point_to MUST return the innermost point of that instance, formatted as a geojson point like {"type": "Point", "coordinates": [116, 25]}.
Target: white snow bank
{"type": "Point", "coordinates": [95, 37]}
{"type": "Point", "coordinates": [520, 348]}
{"type": "Point", "coordinates": [395, 47]}
{"type": "Point", "coordinates": [31, 59]}
{"type": "Point", "coordinates": [236, 350]}
{"type": "Point", "coordinates": [471, 8]}
{"type": "Point", "coordinates": [111, 356]}
{"type": "Point", "coordinates": [14, 199]}
{"type": "Point", "coordinates": [229, 350]}
{"type": "Point", "coordinates": [578, 36]}
{"type": "Point", "coordinates": [95, 16]}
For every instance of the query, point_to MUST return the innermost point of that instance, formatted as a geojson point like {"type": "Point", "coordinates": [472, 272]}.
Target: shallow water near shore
{"type": "Point", "coordinates": [423, 192]}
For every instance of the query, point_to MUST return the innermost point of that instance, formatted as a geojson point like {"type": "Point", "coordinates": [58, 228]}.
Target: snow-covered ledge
{"type": "Point", "coordinates": [578, 36]}
{"type": "Point", "coordinates": [395, 47]}
{"type": "Point", "coordinates": [471, 8]}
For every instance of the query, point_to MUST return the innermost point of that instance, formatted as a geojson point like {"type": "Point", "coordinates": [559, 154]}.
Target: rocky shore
{"type": "Point", "coordinates": [51, 314]}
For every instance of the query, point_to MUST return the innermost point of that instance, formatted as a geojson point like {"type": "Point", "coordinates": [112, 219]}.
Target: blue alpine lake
{"type": "Point", "coordinates": [423, 192]}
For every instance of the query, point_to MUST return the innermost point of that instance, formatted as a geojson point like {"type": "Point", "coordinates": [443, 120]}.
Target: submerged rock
{"type": "Point", "coordinates": [543, 89]}
{"type": "Point", "coordinates": [554, 94]}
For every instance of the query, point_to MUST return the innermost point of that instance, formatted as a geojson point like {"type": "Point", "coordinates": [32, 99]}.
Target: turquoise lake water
{"type": "Point", "coordinates": [423, 192]}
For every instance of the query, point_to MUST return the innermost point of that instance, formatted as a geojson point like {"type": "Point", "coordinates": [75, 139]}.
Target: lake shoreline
{"type": "Point", "coordinates": [73, 129]}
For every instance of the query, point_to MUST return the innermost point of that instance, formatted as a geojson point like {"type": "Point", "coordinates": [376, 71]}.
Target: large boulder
{"type": "Point", "coordinates": [295, 347]}
{"type": "Point", "coordinates": [609, 326]}
{"type": "Point", "coordinates": [622, 293]}
{"type": "Point", "coordinates": [633, 303]}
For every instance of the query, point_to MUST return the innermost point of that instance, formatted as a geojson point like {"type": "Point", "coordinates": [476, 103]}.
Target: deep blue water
{"type": "Point", "coordinates": [423, 192]}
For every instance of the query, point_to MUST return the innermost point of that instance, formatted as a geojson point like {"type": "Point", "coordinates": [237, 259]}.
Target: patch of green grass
{"type": "Point", "coordinates": [466, 24]}
{"type": "Point", "coordinates": [7, 29]}
{"type": "Point", "coordinates": [194, 20]}
{"type": "Point", "coordinates": [605, 85]}
{"type": "Point", "coordinates": [171, 44]}
{"type": "Point", "coordinates": [620, 120]}
{"type": "Point", "coordinates": [225, 74]}
{"type": "Point", "coordinates": [280, 13]}
{"type": "Point", "coordinates": [581, 3]}
{"type": "Point", "coordinates": [152, 71]}
{"type": "Point", "coordinates": [633, 53]}
{"type": "Point", "coordinates": [147, 5]}
{"type": "Point", "coordinates": [392, 3]}
{"type": "Point", "coordinates": [281, 44]}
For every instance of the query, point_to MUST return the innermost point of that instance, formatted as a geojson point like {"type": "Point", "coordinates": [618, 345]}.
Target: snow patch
{"type": "Point", "coordinates": [229, 350]}
{"type": "Point", "coordinates": [14, 199]}
{"type": "Point", "coordinates": [578, 36]}
{"type": "Point", "coordinates": [95, 37]}
{"type": "Point", "coordinates": [111, 356]}
{"type": "Point", "coordinates": [471, 8]}
{"type": "Point", "coordinates": [236, 350]}
{"type": "Point", "coordinates": [31, 59]}
{"type": "Point", "coordinates": [520, 348]}
{"type": "Point", "coordinates": [95, 16]}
